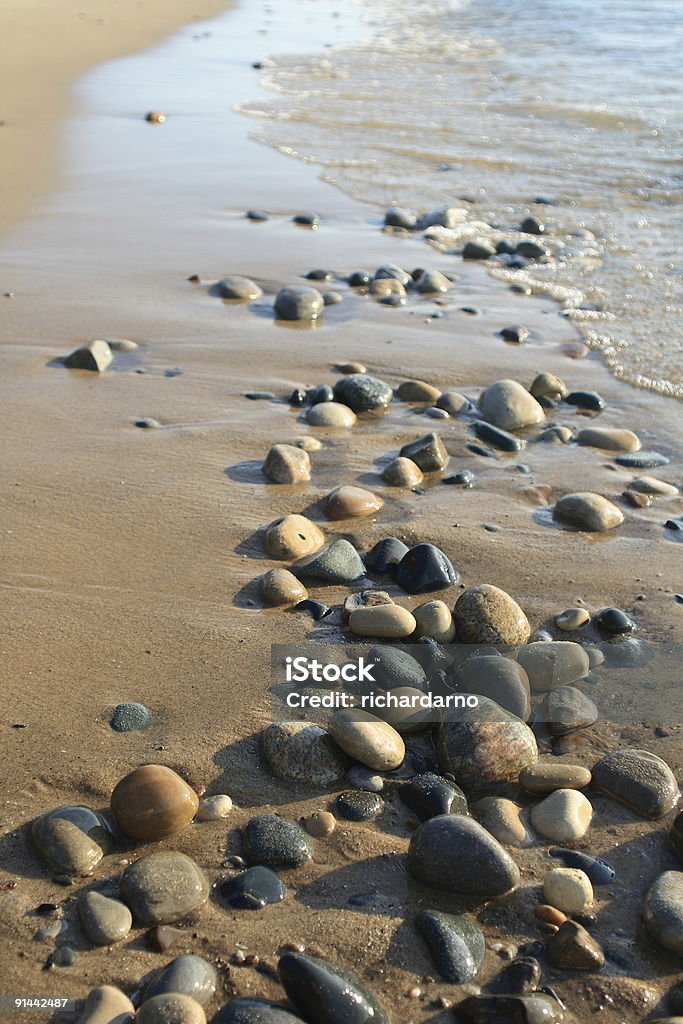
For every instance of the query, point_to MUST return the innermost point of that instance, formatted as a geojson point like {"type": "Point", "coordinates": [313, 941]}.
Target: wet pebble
{"type": "Point", "coordinates": [650, 485]}
{"type": "Point", "coordinates": [363, 393]}
{"type": "Point", "coordinates": [96, 356]}
{"type": "Point", "coordinates": [573, 948]}
{"type": "Point", "coordinates": [642, 460]}
{"type": "Point", "coordinates": [367, 739]}
{"type": "Point", "coordinates": [402, 472]}
{"type": "Point", "coordinates": [320, 824]}
{"type": "Point", "coordinates": [463, 478]}
{"type": "Point", "coordinates": [568, 889]}
{"type": "Point", "coordinates": [241, 289]}
{"type": "Point", "coordinates": [590, 400]}
{"type": "Point", "coordinates": [104, 920]}
{"type": "Point", "coordinates": [428, 452]}
{"type": "Point", "coordinates": [253, 889]}
{"type": "Point", "coordinates": [457, 945]}
{"type": "Point", "coordinates": [170, 1009]}
{"type": "Point", "coordinates": [434, 619]}
{"type": "Point", "coordinates": [478, 249]}
{"type": "Point", "coordinates": [500, 439]}
{"type": "Point", "coordinates": [487, 615]}
{"type": "Point", "coordinates": [338, 563]}
{"type": "Point", "coordinates": [571, 619]}
{"type": "Point", "coordinates": [293, 536]}
{"type": "Point", "coordinates": [364, 599]}
{"type": "Point", "coordinates": [639, 779]}
{"type": "Point", "coordinates": [384, 557]}
{"type": "Point", "coordinates": [598, 871]}
{"type": "Point", "coordinates": [613, 620]}
{"type": "Point", "coordinates": [429, 796]}
{"type": "Point", "coordinates": [547, 776]}
{"type": "Point", "coordinates": [359, 805]}
{"type": "Point", "coordinates": [328, 994]}
{"type": "Point", "coordinates": [316, 609]}
{"type": "Point", "coordinates": [503, 819]}
{"type": "Point", "coordinates": [452, 402]}
{"type": "Point", "coordinates": [425, 568]}
{"type": "Point", "coordinates": [365, 779]}
{"type": "Point", "coordinates": [551, 663]}
{"type": "Point", "coordinates": [286, 464]}
{"type": "Point", "coordinates": [588, 511]}
{"type": "Point", "coordinates": [257, 215]}
{"type": "Point", "coordinates": [71, 839]}
{"type": "Point", "coordinates": [387, 620]}
{"type": "Point", "coordinates": [609, 440]}
{"type": "Point", "coordinates": [537, 1008]}
{"type": "Point", "coordinates": [163, 887]}
{"type": "Point", "coordinates": [106, 1005]}
{"type": "Point", "coordinates": [153, 802]}
{"type": "Point", "coordinates": [275, 842]}
{"type": "Point", "coordinates": [521, 976]}
{"type": "Point", "coordinates": [254, 1011]}
{"type": "Point", "coordinates": [279, 587]}
{"type": "Point", "coordinates": [417, 391]}
{"type": "Point", "coordinates": [456, 854]}
{"type": "Point", "coordinates": [350, 502]}
{"type": "Point", "coordinates": [485, 745]}
{"type": "Point", "coordinates": [500, 679]}
{"type": "Point", "coordinates": [398, 218]}
{"type": "Point", "coordinates": [214, 808]}
{"type": "Point", "coordinates": [547, 385]}
{"type": "Point", "coordinates": [187, 975]}
{"type": "Point", "coordinates": [515, 334]}
{"type": "Point", "coordinates": [567, 708]}
{"type": "Point", "coordinates": [307, 220]}
{"type": "Point", "coordinates": [130, 717]}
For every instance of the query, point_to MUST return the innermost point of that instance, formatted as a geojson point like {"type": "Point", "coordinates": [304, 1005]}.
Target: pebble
{"type": "Point", "coordinates": [568, 709]}
{"type": "Point", "coordinates": [253, 889]}
{"type": "Point", "coordinates": [122, 345]}
{"type": "Point", "coordinates": [636, 499]}
{"type": "Point", "coordinates": [402, 472]}
{"type": "Point", "coordinates": [651, 485]}
{"type": "Point", "coordinates": [254, 1011]}
{"type": "Point", "coordinates": [457, 945]}
{"type": "Point", "coordinates": [609, 440]}
{"type": "Point", "coordinates": [676, 835]}
{"type": "Point", "coordinates": [532, 226]}
{"type": "Point", "coordinates": [188, 976]}
{"type": "Point", "coordinates": [571, 619]}
{"type": "Point", "coordinates": [573, 948]}
{"type": "Point", "coordinates": [279, 586]}
{"type": "Point", "coordinates": [330, 414]}
{"type": "Point", "coordinates": [500, 679]}
{"type": "Point", "coordinates": [387, 287]}
{"type": "Point", "coordinates": [435, 413]}
{"type": "Point", "coordinates": [350, 502]}
{"type": "Point", "coordinates": [429, 796]}
{"type": "Point", "coordinates": [537, 1008]}
{"type": "Point", "coordinates": [387, 620]}
{"type": "Point", "coordinates": [485, 745]}
{"type": "Point", "coordinates": [106, 1005]}
{"type": "Point", "coordinates": [104, 921]}
{"type": "Point", "coordinates": [598, 871]}
{"type": "Point", "coordinates": [397, 218]}
{"type": "Point", "coordinates": [521, 976]}
{"type": "Point", "coordinates": [63, 956]}
{"type": "Point", "coordinates": [170, 1009]}
{"type": "Point", "coordinates": [640, 780]}
{"type": "Point", "coordinates": [642, 460]}
{"type": "Point", "coordinates": [428, 452]}
{"type": "Point", "coordinates": [503, 819]}
{"type": "Point", "coordinates": [327, 994]}
{"type": "Point", "coordinates": [307, 220]}
{"type": "Point", "coordinates": [478, 249]}
{"type": "Point", "coordinates": [531, 251]}
{"type": "Point", "coordinates": [613, 620]}
{"type": "Point", "coordinates": [463, 478]}
{"type": "Point", "coordinates": [663, 911]}
{"type": "Point", "coordinates": [500, 439]}
{"type": "Point", "coordinates": [452, 402]}
{"type": "Point", "coordinates": [363, 778]}
{"type": "Point", "coordinates": [431, 281]}
{"type": "Point", "coordinates": [550, 915]}
{"type": "Point", "coordinates": [395, 668]}
{"type": "Point", "coordinates": [384, 557]}
{"type": "Point", "coordinates": [417, 391]}
{"type": "Point", "coordinates": [308, 443]}
{"type": "Point", "coordinates": [359, 805]}
{"type": "Point", "coordinates": [153, 802]}
{"type": "Point", "coordinates": [367, 739]}
{"type": "Point", "coordinates": [551, 663]}
{"type": "Point", "coordinates": [275, 842]}
{"type": "Point", "coordinates": [338, 563]}
{"type": "Point", "coordinates": [364, 599]}
{"type": "Point", "coordinates": [508, 405]}
{"type": "Point", "coordinates": [515, 334]}
{"type": "Point", "coordinates": [425, 568]}
{"type": "Point", "coordinates": [295, 302]}
{"type": "Point", "coordinates": [320, 274]}
{"type": "Point", "coordinates": [456, 854]}
{"type": "Point", "coordinates": [320, 394]}
{"type": "Point", "coordinates": [320, 824]}
{"type": "Point", "coordinates": [487, 615]}
{"type": "Point", "coordinates": [563, 816]}
{"type": "Point", "coordinates": [149, 423]}
{"type": "Point", "coordinates": [71, 840]}
{"type": "Point", "coordinates": [363, 393]}
{"type": "Point", "coordinates": [163, 887]}
{"type": "Point", "coordinates": [242, 289]}
{"type": "Point", "coordinates": [130, 717]}
{"type": "Point", "coordinates": [568, 889]}
{"type": "Point", "coordinates": [293, 536]}
{"type": "Point", "coordinates": [285, 464]}
{"type": "Point", "coordinates": [95, 356]}
{"type": "Point", "coordinates": [155, 117]}
{"type": "Point", "coordinates": [434, 619]}
{"type": "Point", "coordinates": [214, 808]}
{"type": "Point", "coordinates": [392, 271]}
{"type": "Point", "coordinates": [590, 400]}
{"type": "Point", "coordinates": [547, 776]}
{"type": "Point", "coordinates": [557, 435]}
{"type": "Point", "coordinates": [300, 752]}
{"type": "Point", "coordinates": [257, 215]}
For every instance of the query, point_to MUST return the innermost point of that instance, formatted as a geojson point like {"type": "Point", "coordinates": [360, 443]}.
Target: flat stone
{"type": "Point", "coordinates": [300, 752]}
{"type": "Point", "coordinates": [330, 414]}
{"type": "Point", "coordinates": [563, 816]}
{"type": "Point", "coordinates": [485, 745]}
{"type": "Point", "coordinates": [153, 802]}
{"type": "Point", "coordinates": [363, 393]}
{"type": "Point", "coordinates": [275, 842]}
{"type": "Point", "coordinates": [452, 402]}
{"type": "Point", "coordinates": [349, 502]}
{"type": "Point", "coordinates": [500, 679]}
{"type": "Point", "coordinates": [254, 1011]}
{"type": "Point", "coordinates": [293, 536]}
{"type": "Point", "coordinates": [456, 854]}
{"type": "Point", "coordinates": [588, 511]}
{"type": "Point", "coordinates": [170, 1009]}
{"type": "Point", "coordinates": [298, 303]}
{"type": "Point", "coordinates": [457, 946]}
{"type": "Point", "coordinates": [286, 464]}
{"type": "Point", "coordinates": [598, 871]}
{"type": "Point", "coordinates": [567, 709]}
{"type": "Point", "coordinates": [130, 717]}
{"type": "Point", "coordinates": [386, 620]}
{"type": "Point", "coordinates": [500, 439]}
{"type": "Point", "coordinates": [536, 1008]}
{"type": "Point", "coordinates": [214, 808]}
{"type": "Point", "coordinates": [327, 994]}
{"type": "Point", "coordinates": [279, 586]}
{"type": "Point", "coordinates": [508, 405]}
{"type": "Point", "coordinates": [402, 472]}
{"type": "Point", "coordinates": [425, 568]}
{"type": "Point", "coordinates": [642, 460]}
{"type": "Point", "coordinates": [428, 452]}
{"type": "Point", "coordinates": [651, 485]}
{"type": "Point", "coordinates": [104, 921]}
{"type": "Point", "coordinates": [338, 563]}
{"type": "Point", "coordinates": [364, 599]}
{"type": "Point", "coordinates": [188, 976]}
{"type": "Point", "coordinates": [241, 289]}
{"type": "Point", "coordinates": [487, 615]}
{"type": "Point", "coordinates": [531, 251]}
{"type": "Point", "coordinates": [663, 911]}
{"type": "Point", "coordinates": [71, 840]}
{"type": "Point", "coordinates": [429, 796]}
{"type": "Point", "coordinates": [547, 776]}
{"type": "Point", "coordinates": [95, 356]}
{"type": "Point", "coordinates": [163, 887]}
{"type": "Point", "coordinates": [254, 889]}
{"type": "Point", "coordinates": [435, 413]}
{"type": "Point", "coordinates": [320, 824]}
{"type": "Point", "coordinates": [502, 818]}
{"type": "Point", "coordinates": [639, 779]}
{"type": "Point", "coordinates": [568, 889]}
{"type": "Point", "coordinates": [573, 948]}
{"type": "Point", "coordinates": [367, 739]}
{"type": "Point", "coordinates": [571, 619]}
{"type": "Point", "coordinates": [359, 805]}
{"type": "Point", "coordinates": [552, 663]}
{"type": "Point", "coordinates": [434, 619]}
{"type": "Point", "coordinates": [106, 1005]}
{"type": "Point", "coordinates": [608, 439]}
{"type": "Point", "coordinates": [417, 391]}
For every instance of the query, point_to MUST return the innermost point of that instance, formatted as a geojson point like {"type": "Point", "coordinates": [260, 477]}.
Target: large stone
{"type": "Point", "coordinates": [563, 816]}
{"type": "Point", "coordinates": [394, 667]}
{"type": "Point", "coordinates": [327, 994]}
{"type": "Point", "coordinates": [350, 502]}
{"type": "Point", "coordinates": [552, 663]}
{"type": "Point", "coordinates": [287, 464]}
{"type": "Point", "coordinates": [163, 887]}
{"type": "Point", "coordinates": [568, 889]}
{"type": "Point", "coordinates": [500, 679]}
{"type": "Point", "coordinates": [429, 796]}
{"type": "Point", "coordinates": [330, 414]}
{"type": "Point", "coordinates": [385, 620]}
{"type": "Point", "coordinates": [106, 1005]}
{"type": "Point", "coordinates": [71, 840]}
{"type": "Point", "coordinates": [609, 440]}
{"type": "Point", "coordinates": [457, 945]}
{"type": "Point", "coordinates": [639, 779]}
{"type": "Point", "coordinates": [509, 406]}
{"type": "Point", "coordinates": [425, 568]}
{"type": "Point", "coordinates": [95, 356]}
{"type": "Point", "coordinates": [367, 739]}
{"type": "Point", "coordinates": [153, 802]}
{"type": "Point", "coordinates": [567, 709]}
{"type": "Point", "coordinates": [485, 745]}
{"type": "Point", "coordinates": [299, 752]}
{"type": "Point", "coordinates": [104, 921]}
{"type": "Point", "coordinates": [456, 854]}
{"type": "Point", "coordinates": [186, 975]}
{"type": "Point", "coordinates": [363, 393]}
{"type": "Point", "coordinates": [428, 453]}
{"type": "Point", "coordinates": [487, 615]}
{"type": "Point", "coordinates": [275, 842]}
{"type": "Point", "coordinates": [338, 563]}
{"type": "Point", "coordinates": [237, 288]}
{"type": "Point", "coordinates": [293, 536]}
{"type": "Point", "coordinates": [663, 911]}
{"type": "Point", "coordinates": [298, 303]}
{"type": "Point", "coordinates": [588, 511]}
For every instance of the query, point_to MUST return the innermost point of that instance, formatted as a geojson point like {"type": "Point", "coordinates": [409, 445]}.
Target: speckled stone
{"type": "Point", "coordinates": [487, 615]}
{"type": "Point", "coordinates": [293, 536]}
{"type": "Point", "coordinates": [104, 921]}
{"type": "Point", "coordinates": [187, 975]}
{"type": "Point", "coordinates": [363, 393]}
{"type": "Point", "coordinates": [286, 464]}
{"type": "Point", "coordinates": [457, 945]}
{"type": "Point", "coordinates": [171, 1009]}
{"type": "Point", "coordinates": [663, 911]}
{"type": "Point", "coordinates": [563, 816]}
{"type": "Point", "coordinates": [300, 752]}
{"type": "Point", "coordinates": [587, 511]}
{"type": "Point", "coordinates": [130, 717]}
{"type": "Point", "coordinates": [240, 289]}
{"type": "Point", "coordinates": [275, 842]}
{"type": "Point", "coordinates": [395, 667]}
{"type": "Point", "coordinates": [428, 453]}
{"type": "Point", "coordinates": [485, 745]}
{"type": "Point", "coordinates": [163, 887]}
{"type": "Point", "coordinates": [547, 776]}
{"type": "Point", "coordinates": [639, 779]}
{"type": "Point", "coordinates": [328, 994]}
{"type": "Point", "coordinates": [566, 709]}
{"type": "Point", "coordinates": [455, 853]}
{"type": "Point", "coordinates": [359, 805]}
{"type": "Point", "coordinates": [350, 502]}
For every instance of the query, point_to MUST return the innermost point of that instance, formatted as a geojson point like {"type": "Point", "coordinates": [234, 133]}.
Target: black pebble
{"type": "Point", "coordinates": [275, 842]}
{"type": "Point", "coordinates": [429, 795]}
{"type": "Point", "coordinates": [532, 226]}
{"type": "Point", "coordinates": [674, 524]}
{"type": "Point", "coordinates": [613, 620]}
{"type": "Point", "coordinates": [425, 568]}
{"type": "Point", "coordinates": [260, 396]}
{"type": "Point", "coordinates": [307, 220]}
{"type": "Point", "coordinates": [359, 279]}
{"type": "Point", "coordinates": [317, 609]}
{"type": "Point", "coordinates": [586, 400]}
{"type": "Point", "coordinates": [463, 478]}
{"type": "Point", "coordinates": [504, 248]}
{"type": "Point", "coordinates": [253, 889]}
{"type": "Point", "coordinates": [516, 334]}
{"type": "Point", "coordinates": [383, 558]}
{"type": "Point", "coordinates": [297, 397]}
{"type": "Point", "coordinates": [598, 870]}
{"type": "Point", "coordinates": [358, 805]}
{"type": "Point", "coordinates": [257, 215]}
{"type": "Point", "coordinates": [320, 393]}
{"type": "Point", "coordinates": [320, 275]}
{"type": "Point", "coordinates": [500, 439]}
{"type": "Point", "coordinates": [531, 250]}
{"type": "Point", "coordinates": [521, 975]}
{"type": "Point", "coordinates": [470, 310]}
{"type": "Point", "coordinates": [328, 994]}
{"type": "Point", "coordinates": [254, 1011]}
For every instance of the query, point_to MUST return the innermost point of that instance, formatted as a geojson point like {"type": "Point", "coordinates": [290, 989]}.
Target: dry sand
{"type": "Point", "coordinates": [129, 555]}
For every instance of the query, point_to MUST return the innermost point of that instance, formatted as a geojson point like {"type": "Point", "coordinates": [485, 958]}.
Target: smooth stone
{"type": "Point", "coordinates": [363, 393]}
{"type": "Point", "coordinates": [104, 921]}
{"type": "Point", "coordinates": [500, 679]}
{"type": "Point", "coordinates": [393, 300]}
{"type": "Point", "coordinates": [614, 620]}
{"type": "Point", "coordinates": [663, 911]}
{"type": "Point", "coordinates": [452, 402]}
{"type": "Point", "coordinates": [516, 334]}
{"type": "Point", "coordinates": [364, 778]}
{"type": "Point", "coordinates": [428, 452]}
{"type": "Point", "coordinates": [639, 779]}
{"type": "Point", "coordinates": [478, 249]}
{"type": "Point", "coordinates": [395, 668]}
{"type": "Point", "coordinates": [214, 808]}
{"type": "Point", "coordinates": [568, 889]}
{"type": "Point", "coordinates": [170, 1009]}
{"type": "Point", "coordinates": [435, 413]}
{"type": "Point", "coordinates": [590, 400]}
{"type": "Point", "coordinates": [398, 218]}
{"type": "Point", "coordinates": [457, 946]}
{"type": "Point", "coordinates": [431, 281]}
{"type": "Point", "coordinates": [456, 854]}
{"type": "Point", "coordinates": [520, 976]}
{"type": "Point", "coordinates": [188, 976]}
{"type": "Point", "coordinates": [71, 840]}
{"type": "Point", "coordinates": [308, 443]}
{"type": "Point", "coordinates": [350, 502]}
{"type": "Point", "coordinates": [320, 394]}
{"type": "Point", "coordinates": [557, 435]}
{"type": "Point", "coordinates": [402, 472]}
{"type": "Point", "coordinates": [547, 776]}
{"type": "Point", "coordinates": [463, 478]}
{"type": "Point", "coordinates": [392, 272]}
{"type": "Point", "coordinates": [508, 405]}
{"type": "Point", "coordinates": [485, 745]}
{"type": "Point", "coordinates": [130, 717]}
{"type": "Point", "coordinates": [434, 619]}
{"type": "Point", "coordinates": [424, 568]}
{"type": "Point", "coordinates": [286, 464]}
{"type": "Point", "coordinates": [609, 440]}
{"type": "Point", "coordinates": [367, 739]}
{"type": "Point", "coordinates": [551, 663]}
{"type": "Point", "coordinates": [502, 818]}
{"type": "Point", "coordinates": [410, 716]}
{"type": "Point", "coordinates": [338, 563]}
{"type": "Point", "coordinates": [279, 586]}
{"type": "Point", "coordinates": [445, 217]}
{"type": "Point", "coordinates": [293, 536]}
{"type": "Point", "coordinates": [487, 615]}
{"type": "Point", "coordinates": [500, 439]}
{"type": "Point", "coordinates": [253, 889]}
{"type": "Point", "coordinates": [387, 287]}
{"type": "Point", "coordinates": [242, 289]}
{"type": "Point", "coordinates": [352, 367]}
{"type": "Point", "coordinates": [153, 802]}
{"type": "Point", "coordinates": [359, 805]}
{"type": "Point", "coordinates": [563, 816]}
{"type": "Point", "coordinates": [567, 709]}
{"type": "Point", "coordinates": [275, 842]}
{"type": "Point", "coordinates": [387, 620]}
{"type": "Point", "coordinates": [95, 356]}
{"type": "Point", "coordinates": [330, 414]}
{"type": "Point", "coordinates": [364, 599]}
{"type": "Point", "coordinates": [417, 391]}
{"type": "Point", "coordinates": [300, 752]}
{"type": "Point", "coordinates": [320, 824]}
{"type": "Point", "coordinates": [319, 274]}
{"type": "Point", "coordinates": [536, 1008]}
{"type": "Point", "coordinates": [642, 460]}
{"type": "Point", "coordinates": [383, 558]}
{"type": "Point", "coordinates": [571, 619]}
{"type": "Point", "coordinates": [298, 303]}
{"type": "Point", "coordinates": [149, 423]}
{"type": "Point", "coordinates": [254, 1011]}
{"type": "Point", "coordinates": [257, 215]}
{"type": "Point", "coordinates": [429, 796]}
{"type": "Point", "coordinates": [573, 948]}
{"type": "Point", "coordinates": [651, 485]}
{"type": "Point", "coordinates": [328, 994]}
{"type": "Point", "coordinates": [598, 871]}
{"type": "Point", "coordinates": [63, 956]}
{"type": "Point", "coordinates": [163, 887]}
{"type": "Point", "coordinates": [531, 251]}
{"type": "Point", "coordinates": [106, 1005]}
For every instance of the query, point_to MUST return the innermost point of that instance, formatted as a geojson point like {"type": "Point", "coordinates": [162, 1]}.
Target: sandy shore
{"type": "Point", "coordinates": [129, 555]}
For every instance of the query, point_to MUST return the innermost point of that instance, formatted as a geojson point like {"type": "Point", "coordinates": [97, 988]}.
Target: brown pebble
{"type": "Point", "coordinates": [153, 802]}
{"type": "Point", "coordinates": [415, 993]}
{"type": "Point", "coordinates": [349, 368]}
{"type": "Point", "coordinates": [320, 824]}
{"type": "Point", "coordinates": [575, 350]}
{"type": "Point", "coordinates": [550, 915]}
{"type": "Point", "coordinates": [547, 929]}
{"type": "Point", "coordinates": [637, 499]}
{"type": "Point", "coordinates": [163, 936]}
{"type": "Point", "coordinates": [155, 117]}
{"type": "Point", "coordinates": [350, 502]}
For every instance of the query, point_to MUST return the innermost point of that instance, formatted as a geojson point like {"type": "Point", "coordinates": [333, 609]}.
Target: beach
{"type": "Point", "coordinates": [131, 556]}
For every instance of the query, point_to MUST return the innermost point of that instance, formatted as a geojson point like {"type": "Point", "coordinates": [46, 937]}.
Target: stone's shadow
{"type": "Point", "coordinates": [253, 546]}
{"type": "Point", "coordinates": [247, 472]}
{"type": "Point", "coordinates": [56, 362]}
{"type": "Point", "coordinates": [248, 597]}
{"type": "Point", "coordinates": [244, 774]}
{"type": "Point", "coordinates": [18, 856]}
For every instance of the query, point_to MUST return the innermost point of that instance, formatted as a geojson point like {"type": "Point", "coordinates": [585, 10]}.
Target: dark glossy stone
{"type": "Point", "coordinates": [504, 248]}
{"type": "Point", "coordinates": [676, 835]}
{"type": "Point", "coordinates": [573, 948]}
{"type": "Point", "coordinates": [515, 334]}
{"type": "Point", "coordinates": [130, 717]}
{"type": "Point", "coordinates": [320, 275]}
{"type": "Point", "coordinates": [257, 215]}
{"type": "Point", "coordinates": [326, 994]}
{"type": "Point", "coordinates": [259, 396]}
{"type": "Point", "coordinates": [456, 854]}
{"type": "Point", "coordinates": [297, 398]}
{"type": "Point", "coordinates": [359, 805]}
{"type": "Point", "coordinates": [640, 780]}
{"type": "Point", "coordinates": [590, 400]}
{"type": "Point", "coordinates": [187, 975]}
{"type": "Point", "coordinates": [394, 667]}
{"type": "Point", "coordinates": [478, 249]}
{"type": "Point", "coordinates": [463, 478]}
{"type": "Point", "coordinates": [430, 795]}
{"type": "Point", "coordinates": [532, 226]}
{"type": "Point", "coordinates": [359, 279]}
{"type": "Point", "coordinates": [598, 870]}
{"type": "Point", "coordinates": [478, 449]}
{"type": "Point", "coordinates": [500, 439]}
{"type": "Point", "coordinates": [641, 460]}
{"type": "Point", "coordinates": [613, 620]}
{"type": "Point", "coordinates": [428, 452]}
{"type": "Point", "coordinates": [317, 609]}
{"type": "Point", "coordinates": [363, 393]}
{"type": "Point", "coordinates": [72, 839]}
{"type": "Point", "coordinates": [425, 568]}
{"type": "Point", "coordinates": [275, 842]}
{"type": "Point", "coordinates": [531, 251]}
{"type": "Point", "coordinates": [320, 393]}
{"type": "Point", "coordinates": [253, 889]}
{"type": "Point", "coordinates": [254, 1011]}
{"type": "Point", "coordinates": [521, 976]}
{"type": "Point", "coordinates": [538, 1008]}
{"type": "Point", "coordinates": [307, 220]}
{"type": "Point", "coordinates": [383, 558]}
{"type": "Point", "coordinates": [397, 218]}
{"type": "Point", "coordinates": [457, 946]}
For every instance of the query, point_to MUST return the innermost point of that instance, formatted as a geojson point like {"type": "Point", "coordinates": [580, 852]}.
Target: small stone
{"type": "Point", "coordinates": [300, 752]}
{"type": "Point", "coordinates": [502, 818]}
{"type": "Point", "coordinates": [589, 400]}
{"type": "Point", "coordinates": [259, 216]}
{"type": "Point", "coordinates": [402, 472]}
{"type": "Point", "coordinates": [296, 302]}
{"type": "Point", "coordinates": [63, 956]}
{"type": "Point", "coordinates": [387, 620]}
{"type": "Point", "coordinates": [598, 871]}
{"type": "Point", "coordinates": [275, 842]}
{"type": "Point", "coordinates": [425, 568]}
{"type": "Point", "coordinates": [367, 739]}
{"type": "Point", "coordinates": [417, 391]}
{"type": "Point", "coordinates": [428, 452]}
{"type": "Point", "coordinates": [71, 840]}
{"type": "Point", "coordinates": [609, 440]}
{"type": "Point", "coordinates": [214, 808]}
{"type": "Point", "coordinates": [240, 289]}
{"type": "Point", "coordinates": [363, 393]}
{"type": "Point", "coordinates": [307, 220]}
{"type": "Point", "coordinates": [652, 486]}
{"type": "Point", "coordinates": [106, 1005]}
{"type": "Point", "coordinates": [293, 536]}
{"type": "Point", "coordinates": [487, 615]}
{"type": "Point", "coordinates": [384, 557]}
{"type": "Point", "coordinates": [551, 663]}
{"type": "Point", "coordinates": [392, 272]}
{"type": "Point", "coordinates": [163, 936]}
{"type": "Point", "coordinates": [319, 274]}
{"type": "Point", "coordinates": [350, 367]}
{"type": "Point", "coordinates": [563, 816]}
{"type": "Point", "coordinates": [95, 356]}
{"type": "Point", "coordinates": [550, 915]}
{"type": "Point", "coordinates": [435, 413]}
{"type": "Point", "coordinates": [573, 948]}
{"type": "Point", "coordinates": [478, 249]}
{"type": "Point", "coordinates": [153, 802]}
{"type": "Point", "coordinates": [429, 796]}
{"type": "Point", "coordinates": [155, 117]}
{"type": "Point", "coordinates": [640, 780]}
{"type": "Point", "coordinates": [148, 423]}
{"type": "Point", "coordinates": [457, 946]}
{"type": "Point", "coordinates": [170, 1009]}
{"type": "Point", "coordinates": [531, 251]}
{"type": "Point", "coordinates": [279, 586]}
{"type": "Point", "coordinates": [322, 992]}
{"type": "Point", "coordinates": [395, 668]}
{"type": "Point", "coordinates": [163, 887]}
{"type": "Point", "coordinates": [317, 609]}
{"type": "Point", "coordinates": [516, 334]}
{"type": "Point", "coordinates": [613, 620]}
{"type": "Point", "coordinates": [641, 460]}
{"type": "Point", "coordinates": [568, 889]}
{"type": "Point", "coordinates": [286, 464]}
{"type": "Point", "coordinates": [485, 745]}
{"type": "Point", "coordinates": [330, 414]}
{"type": "Point", "coordinates": [188, 976]}
{"type": "Point", "coordinates": [254, 889]}
{"type": "Point", "coordinates": [397, 218]}
{"type": "Point", "coordinates": [434, 619]}
{"type": "Point", "coordinates": [536, 1008]}
{"type": "Point", "coordinates": [500, 439]}
{"type": "Point", "coordinates": [104, 921]}
{"type": "Point", "coordinates": [571, 619]}
{"type": "Point", "coordinates": [568, 709]}
{"type": "Point", "coordinates": [130, 717]}
{"type": "Point", "coordinates": [547, 776]}
{"type": "Point", "coordinates": [349, 502]}
{"type": "Point", "coordinates": [359, 805]}
{"type": "Point", "coordinates": [452, 402]}
{"type": "Point", "coordinates": [557, 435]}
{"type": "Point", "coordinates": [122, 345]}
{"type": "Point", "coordinates": [320, 824]}
{"type": "Point", "coordinates": [463, 478]}
{"type": "Point", "coordinates": [456, 854]}
{"type": "Point", "coordinates": [364, 599]}
{"type": "Point", "coordinates": [509, 406]}
{"type": "Point", "coordinates": [532, 226]}
{"type": "Point", "coordinates": [338, 563]}
{"type": "Point", "coordinates": [386, 287]}
{"type": "Point", "coordinates": [432, 281]}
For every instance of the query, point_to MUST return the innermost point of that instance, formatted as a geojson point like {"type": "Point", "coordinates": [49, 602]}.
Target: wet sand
{"type": "Point", "coordinates": [129, 555]}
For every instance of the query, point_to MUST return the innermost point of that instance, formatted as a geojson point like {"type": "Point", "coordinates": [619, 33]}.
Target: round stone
{"type": "Point", "coordinates": [308, 443]}
{"type": "Point", "coordinates": [240, 289]}
{"type": "Point", "coordinates": [367, 739]}
{"type": "Point", "coordinates": [587, 511]}
{"type": "Point", "coordinates": [485, 745]}
{"type": "Point", "coordinates": [452, 402]}
{"type": "Point", "coordinates": [432, 281]}
{"type": "Point", "coordinates": [614, 620]}
{"type": "Point", "coordinates": [388, 620]}
{"type": "Point", "coordinates": [567, 709]}
{"type": "Point", "coordinates": [332, 298]}
{"type": "Point", "coordinates": [214, 808]}
{"type": "Point", "coordinates": [568, 889]}
{"type": "Point", "coordinates": [338, 563]}
{"type": "Point", "coordinates": [608, 440]}
{"type": "Point", "coordinates": [104, 921]}
{"type": "Point", "coordinates": [457, 946]}
{"type": "Point", "coordinates": [170, 1009]}
{"type": "Point", "coordinates": [349, 502]}
{"type": "Point", "coordinates": [434, 619]}
{"type": "Point", "coordinates": [639, 779]}
{"type": "Point", "coordinates": [130, 717]}
{"type": "Point", "coordinates": [298, 303]}
{"type": "Point", "coordinates": [551, 663]}
{"type": "Point", "coordinates": [392, 272]}
{"type": "Point", "coordinates": [547, 385]}
{"type": "Point", "coordinates": [425, 568]}
{"type": "Point", "coordinates": [418, 391]}
{"type": "Point", "coordinates": [363, 393]}
{"type": "Point", "coordinates": [478, 249]}
{"type": "Point", "coordinates": [455, 853]}
{"type": "Point", "coordinates": [547, 776]}
{"type": "Point", "coordinates": [503, 819]}
{"type": "Point", "coordinates": [188, 976]}
{"type": "Point", "coordinates": [402, 472]}
{"type": "Point", "coordinates": [293, 536]}
{"type": "Point", "coordinates": [71, 840]}
{"type": "Point", "coordinates": [509, 406]}
{"type": "Point", "coordinates": [359, 805]}
{"type": "Point", "coordinates": [275, 842]}
{"type": "Point", "coordinates": [286, 464]}
{"type": "Point", "coordinates": [663, 911]}
{"type": "Point", "coordinates": [327, 994]}
{"type": "Point", "coordinates": [330, 414]}
{"type": "Point", "coordinates": [564, 815]}
{"type": "Point", "coordinates": [487, 615]}
{"type": "Point", "coordinates": [279, 586]}
{"type": "Point", "coordinates": [397, 218]}
{"type": "Point", "coordinates": [320, 824]}
{"type": "Point", "coordinates": [428, 453]}
{"type": "Point", "coordinates": [254, 889]}
{"type": "Point", "coordinates": [106, 1005]}
{"type": "Point", "coordinates": [153, 802]}
{"type": "Point", "coordinates": [163, 887]}
{"type": "Point", "coordinates": [571, 619]}
{"type": "Point", "coordinates": [300, 752]}
{"type": "Point", "coordinates": [387, 288]}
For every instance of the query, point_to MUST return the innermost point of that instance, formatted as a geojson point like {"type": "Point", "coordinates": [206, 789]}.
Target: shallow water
{"type": "Point", "coordinates": [503, 101]}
